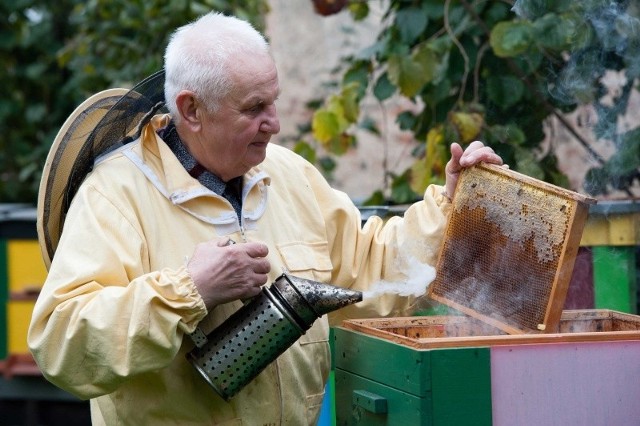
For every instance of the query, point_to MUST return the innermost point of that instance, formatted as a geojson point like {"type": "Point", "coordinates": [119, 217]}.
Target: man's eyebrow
{"type": "Point", "coordinates": [253, 99]}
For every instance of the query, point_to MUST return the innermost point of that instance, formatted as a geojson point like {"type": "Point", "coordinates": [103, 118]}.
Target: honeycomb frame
{"type": "Point", "coordinates": [509, 249]}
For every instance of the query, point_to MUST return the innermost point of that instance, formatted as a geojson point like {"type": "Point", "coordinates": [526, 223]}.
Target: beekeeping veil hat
{"type": "Point", "coordinates": [102, 123]}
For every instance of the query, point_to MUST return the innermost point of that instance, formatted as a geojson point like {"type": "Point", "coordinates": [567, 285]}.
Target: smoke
{"type": "Point", "coordinates": [612, 33]}
{"type": "Point", "coordinates": [597, 71]}
{"type": "Point", "coordinates": [418, 276]}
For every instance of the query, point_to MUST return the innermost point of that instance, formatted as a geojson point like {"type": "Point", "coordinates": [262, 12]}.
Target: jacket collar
{"type": "Point", "coordinates": [165, 172]}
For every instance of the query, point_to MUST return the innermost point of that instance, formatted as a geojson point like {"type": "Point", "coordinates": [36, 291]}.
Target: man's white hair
{"type": "Point", "coordinates": [199, 57]}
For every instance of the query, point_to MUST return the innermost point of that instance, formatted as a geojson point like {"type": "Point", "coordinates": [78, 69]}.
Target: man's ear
{"type": "Point", "coordinates": [188, 108]}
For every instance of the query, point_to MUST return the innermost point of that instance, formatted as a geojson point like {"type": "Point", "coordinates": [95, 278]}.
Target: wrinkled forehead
{"type": "Point", "coordinates": [251, 64]}
{"type": "Point", "coordinates": [255, 75]}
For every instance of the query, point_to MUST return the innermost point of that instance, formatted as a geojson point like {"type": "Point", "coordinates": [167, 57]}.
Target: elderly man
{"type": "Point", "coordinates": [145, 258]}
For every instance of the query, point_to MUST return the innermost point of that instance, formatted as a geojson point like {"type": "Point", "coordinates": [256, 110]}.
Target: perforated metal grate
{"type": "Point", "coordinates": [247, 343]}
{"type": "Point", "coordinates": [509, 249]}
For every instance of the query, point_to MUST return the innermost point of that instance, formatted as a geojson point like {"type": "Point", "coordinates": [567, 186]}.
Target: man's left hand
{"type": "Point", "coordinates": [475, 153]}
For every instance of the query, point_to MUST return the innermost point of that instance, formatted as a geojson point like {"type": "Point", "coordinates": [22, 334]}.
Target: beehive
{"type": "Point", "coordinates": [20, 281]}
{"type": "Point", "coordinates": [509, 249]}
{"type": "Point", "coordinates": [458, 370]}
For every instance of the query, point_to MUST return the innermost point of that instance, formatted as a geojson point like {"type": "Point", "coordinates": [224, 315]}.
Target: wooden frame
{"type": "Point", "coordinates": [509, 249]}
{"type": "Point", "coordinates": [431, 332]}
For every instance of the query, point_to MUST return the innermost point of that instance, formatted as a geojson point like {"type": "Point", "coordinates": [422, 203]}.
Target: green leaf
{"type": "Point", "coordinates": [372, 51]}
{"type": "Point", "coordinates": [411, 73]}
{"type": "Point", "coordinates": [557, 178]}
{"type": "Point", "coordinates": [350, 98]}
{"type": "Point", "coordinates": [375, 199]}
{"type": "Point", "coordinates": [370, 124]}
{"type": "Point", "coordinates": [436, 93]}
{"type": "Point", "coordinates": [341, 144]}
{"type": "Point", "coordinates": [421, 175]}
{"type": "Point", "coordinates": [549, 164]}
{"type": "Point", "coordinates": [405, 73]}
{"type": "Point", "coordinates": [510, 38]}
{"type": "Point", "coordinates": [441, 45]}
{"type": "Point", "coordinates": [358, 76]}
{"type": "Point", "coordinates": [383, 89]}
{"type": "Point", "coordinates": [429, 62]}
{"type": "Point", "coordinates": [531, 9]}
{"type": "Point", "coordinates": [529, 62]}
{"type": "Point", "coordinates": [406, 120]}
{"type": "Point", "coordinates": [626, 160]}
{"type": "Point", "coordinates": [527, 163]}
{"type": "Point", "coordinates": [496, 12]}
{"type": "Point", "coordinates": [36, 70]}
{"type": "Point", "coordinates": [505, 91]}
{"type": "Point", "coordinates": [358, 10]}
{"type": "Point", "coordinates": [430, 167]}
{"type": "Point", "coordinates": [554, 32]}
{"type": "Point", "coordinates": [467, 125]}
{"type": "Point", "coordinates": [411, 23]}
{"type": "Point", "coordinates": [507, 134]}
{"type": "Point", "coordinates": [336, 105]}
{"type": "Point", "coordinates": [401, 192]}
{"type": "Point", "coordinates": [325, 126]}
{"type": "Point", "coordinates": [433, 8]}
{"type": "Point", "coordinates": [327, 164]}
{"type": "Point", "coordinates": [305, 150]}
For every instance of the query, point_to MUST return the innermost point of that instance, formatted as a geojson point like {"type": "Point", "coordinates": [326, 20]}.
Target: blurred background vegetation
{"type": "Point", "coordinates": [55, 54]}
{"type": "Point", "coordinates": [488, 70]}
{"type": "Point", "coordinates": [494, 71]}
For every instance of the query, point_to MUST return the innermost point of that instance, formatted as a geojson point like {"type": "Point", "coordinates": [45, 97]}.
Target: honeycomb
{"type": "Point", "coordinates": [509, 249]}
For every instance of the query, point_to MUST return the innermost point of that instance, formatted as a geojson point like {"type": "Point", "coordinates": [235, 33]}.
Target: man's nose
{"type": "Point", "coordinates": [271, 123]}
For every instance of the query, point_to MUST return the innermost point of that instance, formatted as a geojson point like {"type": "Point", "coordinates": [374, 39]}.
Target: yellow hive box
{"type": "Point", "coordinates": [25, 267]}
{"type": "Point", "coordinates": [18, 317]}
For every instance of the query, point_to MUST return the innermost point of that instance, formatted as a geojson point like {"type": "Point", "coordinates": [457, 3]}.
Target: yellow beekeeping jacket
{"type": "Point", "coordinates": [112, 321]}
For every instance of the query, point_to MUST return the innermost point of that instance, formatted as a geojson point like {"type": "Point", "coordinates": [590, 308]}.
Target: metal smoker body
{"type": "Point", "coordinates": [254, 336]}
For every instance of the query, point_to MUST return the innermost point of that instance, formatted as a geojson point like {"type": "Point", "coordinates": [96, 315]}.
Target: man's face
{"type": "Point", "coordinates": [235, 137]}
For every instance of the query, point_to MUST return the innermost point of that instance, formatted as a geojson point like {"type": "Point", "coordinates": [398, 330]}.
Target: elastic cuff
{"type": "Point", "coordinates": [195, 310]}
{"type": "Point", "coordinates": [439, 194]}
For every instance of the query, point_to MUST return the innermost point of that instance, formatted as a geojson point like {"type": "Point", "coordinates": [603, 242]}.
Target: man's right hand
{"type": "Point", "coordinates": [223, 272]}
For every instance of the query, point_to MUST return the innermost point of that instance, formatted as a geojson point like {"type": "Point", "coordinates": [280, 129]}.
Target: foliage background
{"type": "Point", "coordinates": [492, 70]}
{"type": "Point", "coordinates": [54, 54]}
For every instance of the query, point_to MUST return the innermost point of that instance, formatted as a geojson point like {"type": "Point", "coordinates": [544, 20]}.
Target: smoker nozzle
{"type": "Point", "coordinates": [322, 298]}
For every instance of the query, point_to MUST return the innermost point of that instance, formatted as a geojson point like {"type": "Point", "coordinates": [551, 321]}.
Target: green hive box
{"type": "Point", "coordinates": [378, 382]}
{"type": "Point", "coordinates": [455, 370]}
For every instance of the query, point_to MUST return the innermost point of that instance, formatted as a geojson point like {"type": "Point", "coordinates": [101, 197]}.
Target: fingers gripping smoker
{"type": "Point", "coordinates": [254, 336]}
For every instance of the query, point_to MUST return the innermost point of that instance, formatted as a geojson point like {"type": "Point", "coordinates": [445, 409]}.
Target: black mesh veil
{"type": "Point", "coordinates": [120, 125]}
{"type": "Point", "coordinates": [104, 122]}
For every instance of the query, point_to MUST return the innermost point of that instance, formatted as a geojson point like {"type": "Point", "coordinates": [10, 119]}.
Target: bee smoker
{"type": "Point", "coordinates": [241, 347]}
